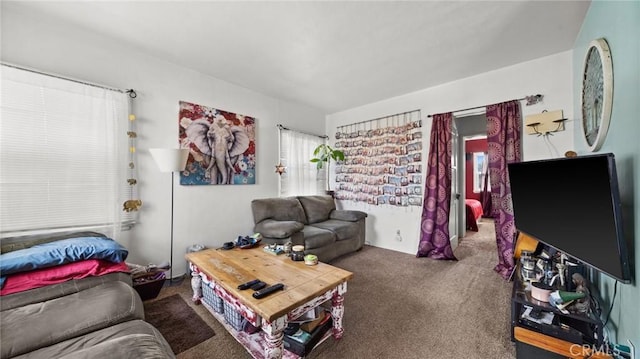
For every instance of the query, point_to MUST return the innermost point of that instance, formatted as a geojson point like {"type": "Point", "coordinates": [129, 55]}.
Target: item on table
{"type": "Point", "coordinates": [287, 247]}
{"type": "Point", "coordinates": [248, 241]}
{"type": "Point", "coordinates": [258, 286]}
{"type": "Point", "coordinates": [268, 290]}
{"type": "Point", "coordinates": [248, 284]}
{"type": "Point", "coordinates": [274, 249]}
{"type": "Point", "coordinates": [310, 259]}
{"type": "Point", "coordinates": [297, 253]}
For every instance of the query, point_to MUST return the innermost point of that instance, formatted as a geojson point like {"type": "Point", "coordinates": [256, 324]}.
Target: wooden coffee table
{"type": "Point", "coordinates": [306, 287]}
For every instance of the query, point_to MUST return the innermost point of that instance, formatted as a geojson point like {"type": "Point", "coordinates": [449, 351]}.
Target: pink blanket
{"type": "Point", "coordinates": [22, 281]}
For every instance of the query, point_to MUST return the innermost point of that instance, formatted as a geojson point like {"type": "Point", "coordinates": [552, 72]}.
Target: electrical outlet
{"type": "Point", "coordinates": [398, 236]}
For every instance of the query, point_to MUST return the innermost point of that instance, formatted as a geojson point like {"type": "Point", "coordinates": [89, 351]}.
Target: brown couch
{"type": "Point", "coordinates": [93, 317]}
{"type": "Point", "coordinates": [312, 221]}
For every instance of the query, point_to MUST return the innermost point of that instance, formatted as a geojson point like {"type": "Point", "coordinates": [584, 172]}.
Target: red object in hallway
{"type": "Point", "coordinates": [474, 212]}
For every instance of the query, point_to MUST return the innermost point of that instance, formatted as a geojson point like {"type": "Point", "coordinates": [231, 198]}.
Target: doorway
{"type": "Point", "coordinates": [470, 130]}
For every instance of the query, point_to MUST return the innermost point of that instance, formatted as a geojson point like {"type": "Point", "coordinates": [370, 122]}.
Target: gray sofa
{"type": "Point", "coordinates": [312, 221]}
{"type": "Point", "coordinates": [93, 317]}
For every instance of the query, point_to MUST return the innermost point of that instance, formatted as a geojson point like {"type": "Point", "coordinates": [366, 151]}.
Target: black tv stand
{"type": "Point", "coordinates": [562, 336]}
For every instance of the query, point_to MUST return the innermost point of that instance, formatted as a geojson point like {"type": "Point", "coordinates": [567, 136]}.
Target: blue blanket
{"type": "Point", "coordinates": [60, 252]}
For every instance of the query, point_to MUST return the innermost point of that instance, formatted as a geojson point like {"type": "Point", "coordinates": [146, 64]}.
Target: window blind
{"type": "Point", "coordinates": [63, 152]}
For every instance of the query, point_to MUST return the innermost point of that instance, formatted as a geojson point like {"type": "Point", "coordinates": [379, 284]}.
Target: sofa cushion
{"type": "Point", "coordinates": [133, 339]}
{"type": "Point", "coordinates": [38, 325]}
{"type": "Point", "coordinates": [317, 208]}
{"type": "Point", "coordinates": [21, 242]}
{"type": "Point", "coordinates": [23, 281]}
{"type": "Point", "coordinates": [61, 252]}
{"type": "Point", "coordinates": [342, 229]}
{"type": "Point", "coordinates": [315, 237]}
{"type": "Point", "coordinates": [133, 346]}
{"type": "Point", "coordinates": [279, 209]}
{"type": "Point", "coordinates": [348, 215]}
{"type": "Point", "coordinates": [58, 290]}
{"type": "Point", "coordinates": [278, 229]}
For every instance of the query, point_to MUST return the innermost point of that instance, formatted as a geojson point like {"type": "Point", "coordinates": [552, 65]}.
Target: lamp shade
{"type": "Point", "coordinates": [170, 159]}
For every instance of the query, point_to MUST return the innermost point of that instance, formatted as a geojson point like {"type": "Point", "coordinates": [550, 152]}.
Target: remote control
{"type": "Point", "coordinates": [248, 285]}
{"type": "Point", "coordinates": [258, 286]}
{"type": "Point", "coordinates": [268, 290]}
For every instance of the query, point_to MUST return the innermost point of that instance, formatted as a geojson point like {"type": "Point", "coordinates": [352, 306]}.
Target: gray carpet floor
{"type": "Point", "coordinates": [400, 306]}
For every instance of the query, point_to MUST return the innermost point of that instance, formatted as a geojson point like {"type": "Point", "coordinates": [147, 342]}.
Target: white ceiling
{"type": "Point", "coordinates": [332, 55]}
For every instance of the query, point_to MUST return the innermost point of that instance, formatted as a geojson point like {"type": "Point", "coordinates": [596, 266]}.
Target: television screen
{"type": "Point", "coordinates": [573, 205]}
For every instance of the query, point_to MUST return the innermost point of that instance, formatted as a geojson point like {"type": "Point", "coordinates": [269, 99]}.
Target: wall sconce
{"type": "Point", "coordinates": [545, 123]}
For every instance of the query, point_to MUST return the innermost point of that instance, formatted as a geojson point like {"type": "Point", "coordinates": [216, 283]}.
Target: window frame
{"type": "Point", "coordinates": [479, 173]}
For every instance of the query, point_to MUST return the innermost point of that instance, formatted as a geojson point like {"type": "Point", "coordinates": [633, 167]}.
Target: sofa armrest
{"type": "Point", "coordinates": [271, 228]}
{"type": "Point", "coordinates": [347, 215]}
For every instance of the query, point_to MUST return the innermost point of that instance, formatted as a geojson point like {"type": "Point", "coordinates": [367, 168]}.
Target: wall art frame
{"type": "Point", "coordinates": [222, 148]}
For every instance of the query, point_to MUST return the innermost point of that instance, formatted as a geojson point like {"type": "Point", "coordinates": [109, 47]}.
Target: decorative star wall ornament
{"type": "Point", "coordinates": [280, 169]}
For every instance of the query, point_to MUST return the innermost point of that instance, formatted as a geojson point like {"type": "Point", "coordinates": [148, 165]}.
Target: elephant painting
{"type": "Point", "coordinates": [221, 144]}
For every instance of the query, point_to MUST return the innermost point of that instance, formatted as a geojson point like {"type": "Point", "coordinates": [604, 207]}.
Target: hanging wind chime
{"type": "Point", "coordinates": [132, 204]}
{"type": "Point", "coordinates": [280, 168]}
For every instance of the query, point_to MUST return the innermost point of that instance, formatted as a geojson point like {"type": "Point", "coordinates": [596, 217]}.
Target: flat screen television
{"type": "Point", "coordinates": [573, 205]}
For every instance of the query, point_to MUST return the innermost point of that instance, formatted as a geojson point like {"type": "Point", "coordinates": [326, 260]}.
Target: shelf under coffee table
{"type": "Point", "coordinates": [306, 287]}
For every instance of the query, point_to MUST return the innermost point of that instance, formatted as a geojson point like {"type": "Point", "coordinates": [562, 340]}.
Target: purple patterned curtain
{"type": "Point", "coordinates": [434, 228]}
{"type": "Point", "coordinates": [503, 139]}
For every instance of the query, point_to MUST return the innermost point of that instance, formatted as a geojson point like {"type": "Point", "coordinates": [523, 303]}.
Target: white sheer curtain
{"type": "Point", "coordinates": [301, 176]}
{"type": "Point", "coordinates": [64, 152]}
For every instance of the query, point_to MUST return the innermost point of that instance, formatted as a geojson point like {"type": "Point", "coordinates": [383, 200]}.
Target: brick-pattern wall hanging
{"type": "Point", "coordinates": [383, 161]}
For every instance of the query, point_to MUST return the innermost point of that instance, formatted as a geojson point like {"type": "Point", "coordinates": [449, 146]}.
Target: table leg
{"type": "Point", "coordinates": [274, 338]}
{"type": "Point", "coordinates": [337, 310]}
{"type": "Point", "coordinates": [196, 285]}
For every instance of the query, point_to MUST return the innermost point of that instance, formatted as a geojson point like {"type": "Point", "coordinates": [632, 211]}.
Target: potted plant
{"type": "Point", "coordinates": [325, 153]}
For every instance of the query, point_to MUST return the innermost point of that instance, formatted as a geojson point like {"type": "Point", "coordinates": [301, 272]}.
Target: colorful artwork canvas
{"type": "Point", "coordinates": [222, 147]}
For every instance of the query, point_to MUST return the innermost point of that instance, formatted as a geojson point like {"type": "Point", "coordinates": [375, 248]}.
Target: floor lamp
{"type": "Point", "coordinates": [170, 160]}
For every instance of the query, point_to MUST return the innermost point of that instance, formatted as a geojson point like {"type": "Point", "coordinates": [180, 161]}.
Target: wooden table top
{"type": "Point", "coordinates": [230, 268]}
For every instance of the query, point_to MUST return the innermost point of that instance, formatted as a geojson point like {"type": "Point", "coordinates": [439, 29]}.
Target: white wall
{"type": "Point", "coordinates": [616, 21]}
{"type": "Point", "coordinates": [208, 215]}
{"type": "Point", "coordinates": [549, 76]}
{"type": "Point", "coordinates": [212, 215]}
